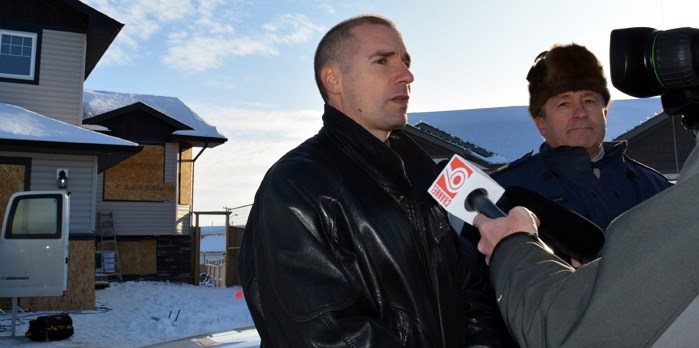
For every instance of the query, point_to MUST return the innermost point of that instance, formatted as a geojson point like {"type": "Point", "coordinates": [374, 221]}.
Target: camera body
{"type": "Point", "coordinates": [645, 62]}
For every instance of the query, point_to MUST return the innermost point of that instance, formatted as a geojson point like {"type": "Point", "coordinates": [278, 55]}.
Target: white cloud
{"type": "Point", "coordinates": [200, 35]}
{"type": "Point", "coordinates": [205, 50]}
{"type": "Point", "coordinates": [327, 8]}
{"type": "Point", "coordinates": [233, 171]}
{"type": "Point", "coordinates": [202, 53]}
{"type": "Point", "coordinates": [142, 20]}
{"type": "Point", "coordinates": [260, 124]}
{"type": "Point", "coordinates": [291, 29]}
{"type": "Point", "coordinates": [210, 19]}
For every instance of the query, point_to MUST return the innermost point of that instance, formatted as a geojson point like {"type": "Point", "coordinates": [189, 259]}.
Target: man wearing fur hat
{"type": "Point", "coordinates": [574, 166]}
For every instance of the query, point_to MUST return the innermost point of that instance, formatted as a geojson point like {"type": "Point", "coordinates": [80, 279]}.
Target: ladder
{"type": "Point", "coordinates": [107, 256]}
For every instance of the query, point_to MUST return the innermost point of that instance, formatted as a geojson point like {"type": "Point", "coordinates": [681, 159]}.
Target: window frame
{"type": "Point", "coordinates": [33, 75]}
{"type": "Point", "coordinates": [23, 217]}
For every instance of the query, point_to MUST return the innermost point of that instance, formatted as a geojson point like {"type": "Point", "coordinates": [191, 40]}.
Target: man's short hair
{"type": "Point", "coordinates": [336, 44]}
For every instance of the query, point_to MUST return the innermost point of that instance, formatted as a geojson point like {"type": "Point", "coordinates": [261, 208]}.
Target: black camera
{"type": "Point", "coordinates": [646, 62]}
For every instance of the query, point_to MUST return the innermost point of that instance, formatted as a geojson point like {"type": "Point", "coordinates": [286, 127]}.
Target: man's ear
{"type": "Point", "coordinates": [331, 76]}
{"type": "Point", "coordinates": [539, 121]}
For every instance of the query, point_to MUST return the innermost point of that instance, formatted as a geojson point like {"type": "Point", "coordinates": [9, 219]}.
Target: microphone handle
{"type": "Point", "coordinates": [482, 204]}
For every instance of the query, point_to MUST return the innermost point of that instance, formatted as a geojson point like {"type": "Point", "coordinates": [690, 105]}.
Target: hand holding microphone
{"type": "Point", "coordinates": [493, 231]}
{"type": "Point", "coordinates": [464, 191]}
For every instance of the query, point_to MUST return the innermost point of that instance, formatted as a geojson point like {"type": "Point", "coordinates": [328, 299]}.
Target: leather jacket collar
{"type": "Point", "coordinates": [372, 155]}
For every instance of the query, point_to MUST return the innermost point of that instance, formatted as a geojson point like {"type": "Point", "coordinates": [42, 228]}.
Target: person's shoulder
{"type": "Point", "coordinates": [521, 163]}
{"type": "Point", "coordinates": [306, 159]}
{"type": "Point", "coordinates": [314, 163]}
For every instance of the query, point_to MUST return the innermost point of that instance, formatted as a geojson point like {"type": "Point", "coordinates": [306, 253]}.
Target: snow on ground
{"type": "Point", "coordinates": [138, 313]}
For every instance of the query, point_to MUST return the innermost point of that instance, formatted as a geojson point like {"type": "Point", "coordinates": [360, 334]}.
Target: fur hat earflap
{"type": "Point", "coordinates": [562, 69]}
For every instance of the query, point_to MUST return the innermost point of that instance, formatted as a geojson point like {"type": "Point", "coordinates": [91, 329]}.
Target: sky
{"type": "Point", "coordinates": [246, 66]}
{"type": "Point", "coordinates": [138, 313]}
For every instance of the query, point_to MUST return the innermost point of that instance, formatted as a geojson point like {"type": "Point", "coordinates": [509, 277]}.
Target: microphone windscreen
{"type": "Point", "coordinates": [569, 231]}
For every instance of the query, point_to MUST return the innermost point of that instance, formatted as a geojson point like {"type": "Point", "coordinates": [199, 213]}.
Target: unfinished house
{"type": "Point", "coordinates": [127, 161]}
{"type": "Point", "coordinates": [147, 200]}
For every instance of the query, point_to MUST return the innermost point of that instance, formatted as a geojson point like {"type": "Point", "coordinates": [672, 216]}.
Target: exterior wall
{"type": "Point", "coordinates": [133, 218]}
{"type": "Point", "coordinates": [80, 293]}
{"type": "Point", "coordinates": [186, 174]}
{"type": "Point", "coordinates": [81, 185]}
{"type": "Point", "coordinates": [140, 218]}
{"type": "Point", "coordinates": [161, 258]}
{"type": "Point", "coordinates": [185, 191]}
{"type": "Point", "coordinates": [154, 238]}
{"type": "Point", "coordinates": [184, 219]}
{"type": "Point", "coordinates": [61, 70]}
{"type": "Point", "coordinates": [175, 258]}
{"type": "Point", "coordinates": [138, 257]}
{"type": "Point", "coordinates": [82, 170]}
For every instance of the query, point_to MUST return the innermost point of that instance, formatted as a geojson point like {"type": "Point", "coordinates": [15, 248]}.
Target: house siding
{"type": "Point", "coordinates": [133, 218]}
{"type": "Point", "coordinates": [184, 218]}
{"type": "Point", "coordinates": [61, 68]}
{"type": "Point", "coordinates": [81, 170]}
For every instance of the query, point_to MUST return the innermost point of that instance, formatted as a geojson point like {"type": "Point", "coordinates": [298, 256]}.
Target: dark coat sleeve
{"type": "Point", "coordinates": [485, 326]}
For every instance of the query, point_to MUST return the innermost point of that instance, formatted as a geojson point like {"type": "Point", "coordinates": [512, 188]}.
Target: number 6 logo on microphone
{"type": "Point", "coordinates": [450, 180]}
{"type": "Point", "coordinates": [457, 172]}
{"type": "Point", "coordinates": [456, 181]}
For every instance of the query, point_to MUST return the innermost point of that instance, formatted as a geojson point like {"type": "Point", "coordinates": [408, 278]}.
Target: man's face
{"type": "Point", "coordinates": [374, 81]}
{"type": "Point", "coordinates": [576, 118]}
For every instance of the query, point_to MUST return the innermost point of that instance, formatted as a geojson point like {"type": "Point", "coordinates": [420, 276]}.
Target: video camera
{"type": "Point", "coordinates": [646, 62]}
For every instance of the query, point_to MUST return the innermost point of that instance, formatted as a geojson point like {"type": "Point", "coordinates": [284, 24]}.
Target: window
{"type": "Point", "coordinates": [36, 217]}
{"type": "Point", "coordinates": [140, 178]}
{"type": "Point", "coordinates": [17, 54]}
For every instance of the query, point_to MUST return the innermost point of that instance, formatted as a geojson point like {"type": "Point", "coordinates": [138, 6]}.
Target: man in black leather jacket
{"type": "Point", "coordinates": [344, 247]}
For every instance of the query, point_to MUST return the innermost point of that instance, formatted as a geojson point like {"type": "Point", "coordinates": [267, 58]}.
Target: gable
{"type": "Point", "coordinates": [64, 15]}
{"type": "Point", "coordinates": [186, 127]}
{"type": "Point", "coordinates": [139, 123]}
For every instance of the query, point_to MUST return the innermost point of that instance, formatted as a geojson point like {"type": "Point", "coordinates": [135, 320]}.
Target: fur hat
{"type": "Point", "coordinates": [563, 69]}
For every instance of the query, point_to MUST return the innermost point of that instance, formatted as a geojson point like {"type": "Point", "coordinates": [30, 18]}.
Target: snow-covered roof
{"type": "Point", "coordinates": [509, 132]}
{"type": "Point", "coordinates": [21, 124]}
{"type": "Point", "coordinates": [96, 103]}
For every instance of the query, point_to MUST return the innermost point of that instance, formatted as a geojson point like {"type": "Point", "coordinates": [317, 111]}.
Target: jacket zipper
{"type": "Point", "coordinates": [431, 271]}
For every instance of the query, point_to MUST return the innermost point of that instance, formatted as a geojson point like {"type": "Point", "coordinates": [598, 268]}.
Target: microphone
{"type": "Point", "coordinates": [464, 190]}
{"type": "Point", "coordinates": [478, 200]}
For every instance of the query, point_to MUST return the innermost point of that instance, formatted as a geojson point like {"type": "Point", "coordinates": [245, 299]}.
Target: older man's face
{"type": "Point", "coordinates": [575, 118]}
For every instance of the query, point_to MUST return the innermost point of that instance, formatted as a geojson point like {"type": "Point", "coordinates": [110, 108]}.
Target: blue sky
{"type": "Point", "coordinates": [246, 66]}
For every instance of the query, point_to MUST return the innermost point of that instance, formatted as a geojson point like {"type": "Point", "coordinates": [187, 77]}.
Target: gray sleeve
{"type": "Point", "coordinates": [540, 296]}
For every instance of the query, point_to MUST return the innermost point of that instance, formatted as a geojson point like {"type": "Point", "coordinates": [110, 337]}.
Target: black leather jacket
{"type": "Point", "coordinates": [344, 247]}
